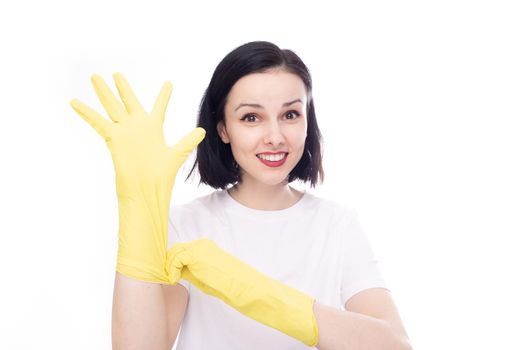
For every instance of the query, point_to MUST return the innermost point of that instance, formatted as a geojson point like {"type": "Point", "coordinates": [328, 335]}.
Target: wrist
{"type": "Point", "coordinates": [142, 238]}
{"type": "Point", "coordinates": [289, 310]}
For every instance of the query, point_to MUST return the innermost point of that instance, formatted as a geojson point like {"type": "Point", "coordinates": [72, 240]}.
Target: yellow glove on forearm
{"type": "Point", "coordinates": [220, 274]}
{"type": "Point", "coordinates": [145, 171]}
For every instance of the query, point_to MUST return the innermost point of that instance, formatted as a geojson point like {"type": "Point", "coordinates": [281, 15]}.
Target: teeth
{"type": "Point", "coordinates": [272, 158]}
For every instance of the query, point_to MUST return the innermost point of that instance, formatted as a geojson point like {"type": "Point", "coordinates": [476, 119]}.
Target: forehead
{"type": "Point", "coordinates": [269, 86]}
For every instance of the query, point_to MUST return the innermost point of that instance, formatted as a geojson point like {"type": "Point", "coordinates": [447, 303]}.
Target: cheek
{"type": "Point", "coordinates": [243, 141]}
{"type": "Point", "coordinates": [297, 136]}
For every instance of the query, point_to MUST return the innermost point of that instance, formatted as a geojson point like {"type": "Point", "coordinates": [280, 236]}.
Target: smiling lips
{"type": "Point", "coordinates": [273, 159]}
{"type": "Point", "coordinates": [272, 156]}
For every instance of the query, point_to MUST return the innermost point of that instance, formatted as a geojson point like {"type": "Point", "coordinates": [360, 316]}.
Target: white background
{"type": "Point", "coordinates": [421, 105]}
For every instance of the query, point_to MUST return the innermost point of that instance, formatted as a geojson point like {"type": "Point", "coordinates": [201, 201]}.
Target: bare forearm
{"type": "Point", "coordinates": [139, 315]}
{"type": "Point", "coordinates": [342, 330]}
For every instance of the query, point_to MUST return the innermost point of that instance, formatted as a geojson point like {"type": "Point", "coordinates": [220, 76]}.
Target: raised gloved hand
{"type": "Point", "coordinates": [145, 171]}
{"type": "Point", "coordinates": [220, 274]}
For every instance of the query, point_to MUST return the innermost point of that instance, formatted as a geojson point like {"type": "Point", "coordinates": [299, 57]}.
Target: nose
{"type": "Point", "coordinates": [273, 134]}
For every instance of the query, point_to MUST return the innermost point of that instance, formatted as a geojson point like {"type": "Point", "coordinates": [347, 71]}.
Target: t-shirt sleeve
{"type": "Point", "coordinates": [360, 268]}
{"type": "Point", "coordinates": [176, 235]}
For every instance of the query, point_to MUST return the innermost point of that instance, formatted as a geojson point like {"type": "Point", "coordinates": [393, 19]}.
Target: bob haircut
{"type": "Point", "coordinates": [216, 164]}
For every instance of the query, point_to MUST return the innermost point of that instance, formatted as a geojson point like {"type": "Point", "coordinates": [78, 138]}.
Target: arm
{"type": "Point", "coordinates": [145, 171]}
{"type": "Point", "coordinates": [146, 315]}
{"type": "Point", "coordinates": [139, 318]}
{"type": "Point", "coordinates": [176, 298]}
{"type": "Point", "coordinates": [371, 321]}
{"type": "Point", "coordinates": [268, 301]}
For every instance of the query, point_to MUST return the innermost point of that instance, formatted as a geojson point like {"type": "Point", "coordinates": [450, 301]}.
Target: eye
{"type": "Point", "coordinates": [287, 114]}
{"type": "Point", "coordinates": [247, 116]}
{"type": "Point", "coordinates": [297, 114]}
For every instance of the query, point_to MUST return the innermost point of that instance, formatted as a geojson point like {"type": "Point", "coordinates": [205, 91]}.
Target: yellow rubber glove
{"type": "Point", "coordinates": [145, 171]}
{"type": "Point", "coordinates": [268, 301]}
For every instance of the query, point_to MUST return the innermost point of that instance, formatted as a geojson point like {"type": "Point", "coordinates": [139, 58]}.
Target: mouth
{"type": "Point", "coordinates": [273, 160]}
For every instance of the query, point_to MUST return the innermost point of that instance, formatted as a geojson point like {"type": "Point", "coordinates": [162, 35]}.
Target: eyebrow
{"type": "Point", "coordinates": [255, 105]}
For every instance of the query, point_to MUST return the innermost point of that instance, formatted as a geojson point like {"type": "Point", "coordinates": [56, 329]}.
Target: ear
{"type": "Point", "coordinates": [223, 134]}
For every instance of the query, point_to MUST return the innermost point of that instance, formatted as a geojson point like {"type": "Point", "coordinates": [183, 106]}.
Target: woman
{"type": "Point", "coordinates": [255, 265]}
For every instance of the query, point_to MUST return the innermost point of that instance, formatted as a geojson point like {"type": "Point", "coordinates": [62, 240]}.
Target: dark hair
{"type": "Point", "coordinates": [215, 161]}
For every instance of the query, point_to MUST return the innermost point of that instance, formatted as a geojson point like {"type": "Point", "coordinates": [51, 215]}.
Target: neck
{"type": "Point", "coordinates": [265, 197]}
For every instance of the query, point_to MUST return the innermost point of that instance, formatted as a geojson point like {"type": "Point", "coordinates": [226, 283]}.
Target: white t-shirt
{"type": "Point", "coordinates": [316, 246]}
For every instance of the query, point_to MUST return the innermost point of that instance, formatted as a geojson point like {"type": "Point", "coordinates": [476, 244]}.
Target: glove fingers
{"type": "Point", "coordinates": [180, 264]}
{"type": "Point", "coordinates": [98, 122]}
{"type": "Point", "coordinates": [182, 150]}
{"type": "Point", "coordinates": [177, 258]}
{"type": "Point", "coordinates": [159, 110]}
{"type": "Point", "coordinates": [127, 95]}
{"type": "Point", "coordinates": [112, 106]}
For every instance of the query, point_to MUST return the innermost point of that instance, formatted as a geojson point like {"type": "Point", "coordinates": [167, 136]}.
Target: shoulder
{"type": "Point", "coordinates": [192, 220]}
{"type": "Point", "coordinates": [202, 203]}
{"type": "Point", "coordinates": [201, 208]}
{"type": "Point", "coordinates": [340, 212]}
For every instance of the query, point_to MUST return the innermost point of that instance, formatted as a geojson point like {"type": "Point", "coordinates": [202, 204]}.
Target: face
{"type": "Point", "coordinates": [266, 113]}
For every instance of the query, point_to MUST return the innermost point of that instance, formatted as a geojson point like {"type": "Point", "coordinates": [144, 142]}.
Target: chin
{"type": "Point", "coordinates": [274, 181]}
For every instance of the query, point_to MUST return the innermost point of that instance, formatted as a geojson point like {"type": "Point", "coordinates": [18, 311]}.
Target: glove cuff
{"type": "Point", "coordinates": [288, 310]}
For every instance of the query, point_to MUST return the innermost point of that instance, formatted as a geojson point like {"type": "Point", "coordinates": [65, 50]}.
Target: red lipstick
{"type": "Point", "coordinates": [274, 164]}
